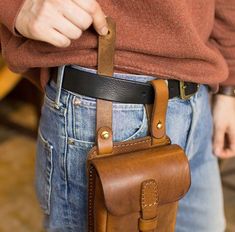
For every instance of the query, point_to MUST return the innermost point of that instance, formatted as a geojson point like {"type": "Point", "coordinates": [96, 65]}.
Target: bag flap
{"type": "Point", "coordinates": [121, 177]}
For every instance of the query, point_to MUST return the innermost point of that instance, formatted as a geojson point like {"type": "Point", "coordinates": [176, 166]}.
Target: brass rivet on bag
{"type": "Point", "coordinates": [105, 135]}
{"type": "Point", "coordinates": [159, 125]}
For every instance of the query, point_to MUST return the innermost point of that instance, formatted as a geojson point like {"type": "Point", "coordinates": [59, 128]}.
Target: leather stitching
{"type": "Point", "coordinates": [151, 182]}
{"type": "Point", "coordinates": [93, 153]}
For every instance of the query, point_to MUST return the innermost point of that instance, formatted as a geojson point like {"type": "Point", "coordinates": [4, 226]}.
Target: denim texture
{"type": "Point", "coordinates": [67, 133]}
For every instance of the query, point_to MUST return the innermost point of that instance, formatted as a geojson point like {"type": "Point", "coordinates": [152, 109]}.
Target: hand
{"type": "Point", "coordinates": [224, 126]}
{"type": "Point", "coordinates": [59, 21]}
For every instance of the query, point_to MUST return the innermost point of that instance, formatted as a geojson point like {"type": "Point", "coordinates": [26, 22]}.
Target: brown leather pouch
{"type": "Point", "coordinates": [134, 185]}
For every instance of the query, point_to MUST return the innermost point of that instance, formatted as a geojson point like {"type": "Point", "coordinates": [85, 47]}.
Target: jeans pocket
{"type": "Point", "coordinates": [129, 122]}
{"type": "Point", "coordinates": [44, 167]}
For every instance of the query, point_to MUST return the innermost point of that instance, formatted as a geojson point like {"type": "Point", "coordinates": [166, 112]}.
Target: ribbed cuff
{"type": "Point", "coordinates": [9, 10]}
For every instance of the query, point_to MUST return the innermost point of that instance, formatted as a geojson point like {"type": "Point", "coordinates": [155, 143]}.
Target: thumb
{"type": "Point", "coordinates": [231, 141]}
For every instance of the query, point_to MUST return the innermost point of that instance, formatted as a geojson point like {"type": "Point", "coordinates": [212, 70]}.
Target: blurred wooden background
{"type": "Point", "coordinates": [20, 104]}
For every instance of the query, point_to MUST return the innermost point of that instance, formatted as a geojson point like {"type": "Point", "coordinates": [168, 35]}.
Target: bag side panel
{"type": "Point", "coordinates": [100, 211]}
{"type": "Point", "coordinates": [167, 217]}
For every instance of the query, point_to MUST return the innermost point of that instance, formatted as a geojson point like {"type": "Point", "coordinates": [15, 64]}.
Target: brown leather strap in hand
{"type": "Point", "coordinates": [104, 108]}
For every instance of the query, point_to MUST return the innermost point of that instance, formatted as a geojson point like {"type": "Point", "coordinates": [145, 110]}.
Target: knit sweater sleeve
{"type": "Point", "coordinates": [9, 10]}
{"type": "Point", "coordinates": [224, 35]}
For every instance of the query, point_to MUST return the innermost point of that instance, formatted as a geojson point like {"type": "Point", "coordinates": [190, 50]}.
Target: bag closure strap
{"type": "Point", "coordinates": [106, 48]}
{"type": "Point", "coordinates": [149, 206]}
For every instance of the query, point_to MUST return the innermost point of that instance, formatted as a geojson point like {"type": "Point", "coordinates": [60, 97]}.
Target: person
{"type": "Point", "coordinates": [192, 42]}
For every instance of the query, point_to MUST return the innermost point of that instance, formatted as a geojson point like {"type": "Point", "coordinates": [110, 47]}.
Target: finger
{"type": "Point", "coordinates": [46, 33]}
{"type": "Point", "coordinates": [218, 140]}
{"type": "Point", "coordinates": [94, 9]}
{"type": "Point", "coordinates": [231, 142]}
{"type": "Point", "coordinates": [77, 16]}
{"type": "Point", "coordinates": [227, 153]}
{"type": "Point", "coordinates": [65, 27]}
{"type": "Point", "coordinates": [229, 146]}
{"type": "Point", "coordinates": [56, 38]}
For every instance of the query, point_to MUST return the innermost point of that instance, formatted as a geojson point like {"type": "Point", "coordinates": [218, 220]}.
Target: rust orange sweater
{"type": "Point", "coordinates": [190, 40]}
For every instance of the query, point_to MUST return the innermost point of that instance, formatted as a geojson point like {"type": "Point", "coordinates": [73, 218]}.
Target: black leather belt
{"type": "Point", "coordinates": [119, 90]}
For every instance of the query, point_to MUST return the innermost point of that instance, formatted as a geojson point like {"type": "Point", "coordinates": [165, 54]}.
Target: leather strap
{"type": "Point", "coordinates": [156, 115]}
{"type": "Point", "coordinates": [159, 110]}
{"type": "Point", "coordinates": [149, 204]}
{"type": "Point", "coordinates": [103, 107]}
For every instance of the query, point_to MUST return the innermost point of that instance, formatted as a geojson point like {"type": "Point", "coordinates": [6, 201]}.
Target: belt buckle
{"type": "Point", "coordinates": [183, 87]}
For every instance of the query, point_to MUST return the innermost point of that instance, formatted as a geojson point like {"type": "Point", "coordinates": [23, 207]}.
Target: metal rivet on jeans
{"type": "Point", "coordinates": [71, 142]}
{"type": "Point", "coordinates": [77, 101]}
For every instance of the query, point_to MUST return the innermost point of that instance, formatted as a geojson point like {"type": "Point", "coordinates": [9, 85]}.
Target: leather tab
{"type": "Point", "coordinates": [104, 145]}
{"type": "Point", "coordinates": [106, 50]}
{"type": "Point", "coordinates": [149, 204]}
{"type": "Point", "coordinates": [104, 123]}
{"type": "Point", "coordinates": [104, 108]}
{"type": "Point", "coordinates": [147, 225]}
{"type": "Point", "coordinates": [158, 119]}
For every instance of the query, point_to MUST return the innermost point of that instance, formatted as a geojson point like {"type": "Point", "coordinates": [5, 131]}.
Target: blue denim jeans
{"type": "Point", "coordinates": [67, 132]}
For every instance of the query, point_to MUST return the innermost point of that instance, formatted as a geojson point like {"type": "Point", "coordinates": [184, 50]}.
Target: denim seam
{"type": "Point", "coordinates": [50, 178]}
{"type": "Point", "coordinates": [85, 143]}
{"type": "Point", "coordinates": [47, 146]}
{"type": "Point", "coordinates": [117, 106]}
{"type": "Point", "coordinates": [66, 142]}
{"type": "Point", "coordinates": [73, 126]}
{"type": "Point", "coordinates": [65, 163]}
{"type": "Point", "coordinates": [63, 167]}
{"type": "Point", "coordinates": [189, 137]}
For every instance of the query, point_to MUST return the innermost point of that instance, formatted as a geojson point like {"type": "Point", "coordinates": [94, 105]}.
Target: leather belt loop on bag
{"type": "Point", "coordinates": [156, 113]}
{"type": "Point", "coordinates": [158, 117]}
{"type": "Point", "coordinates": [104, 108]}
